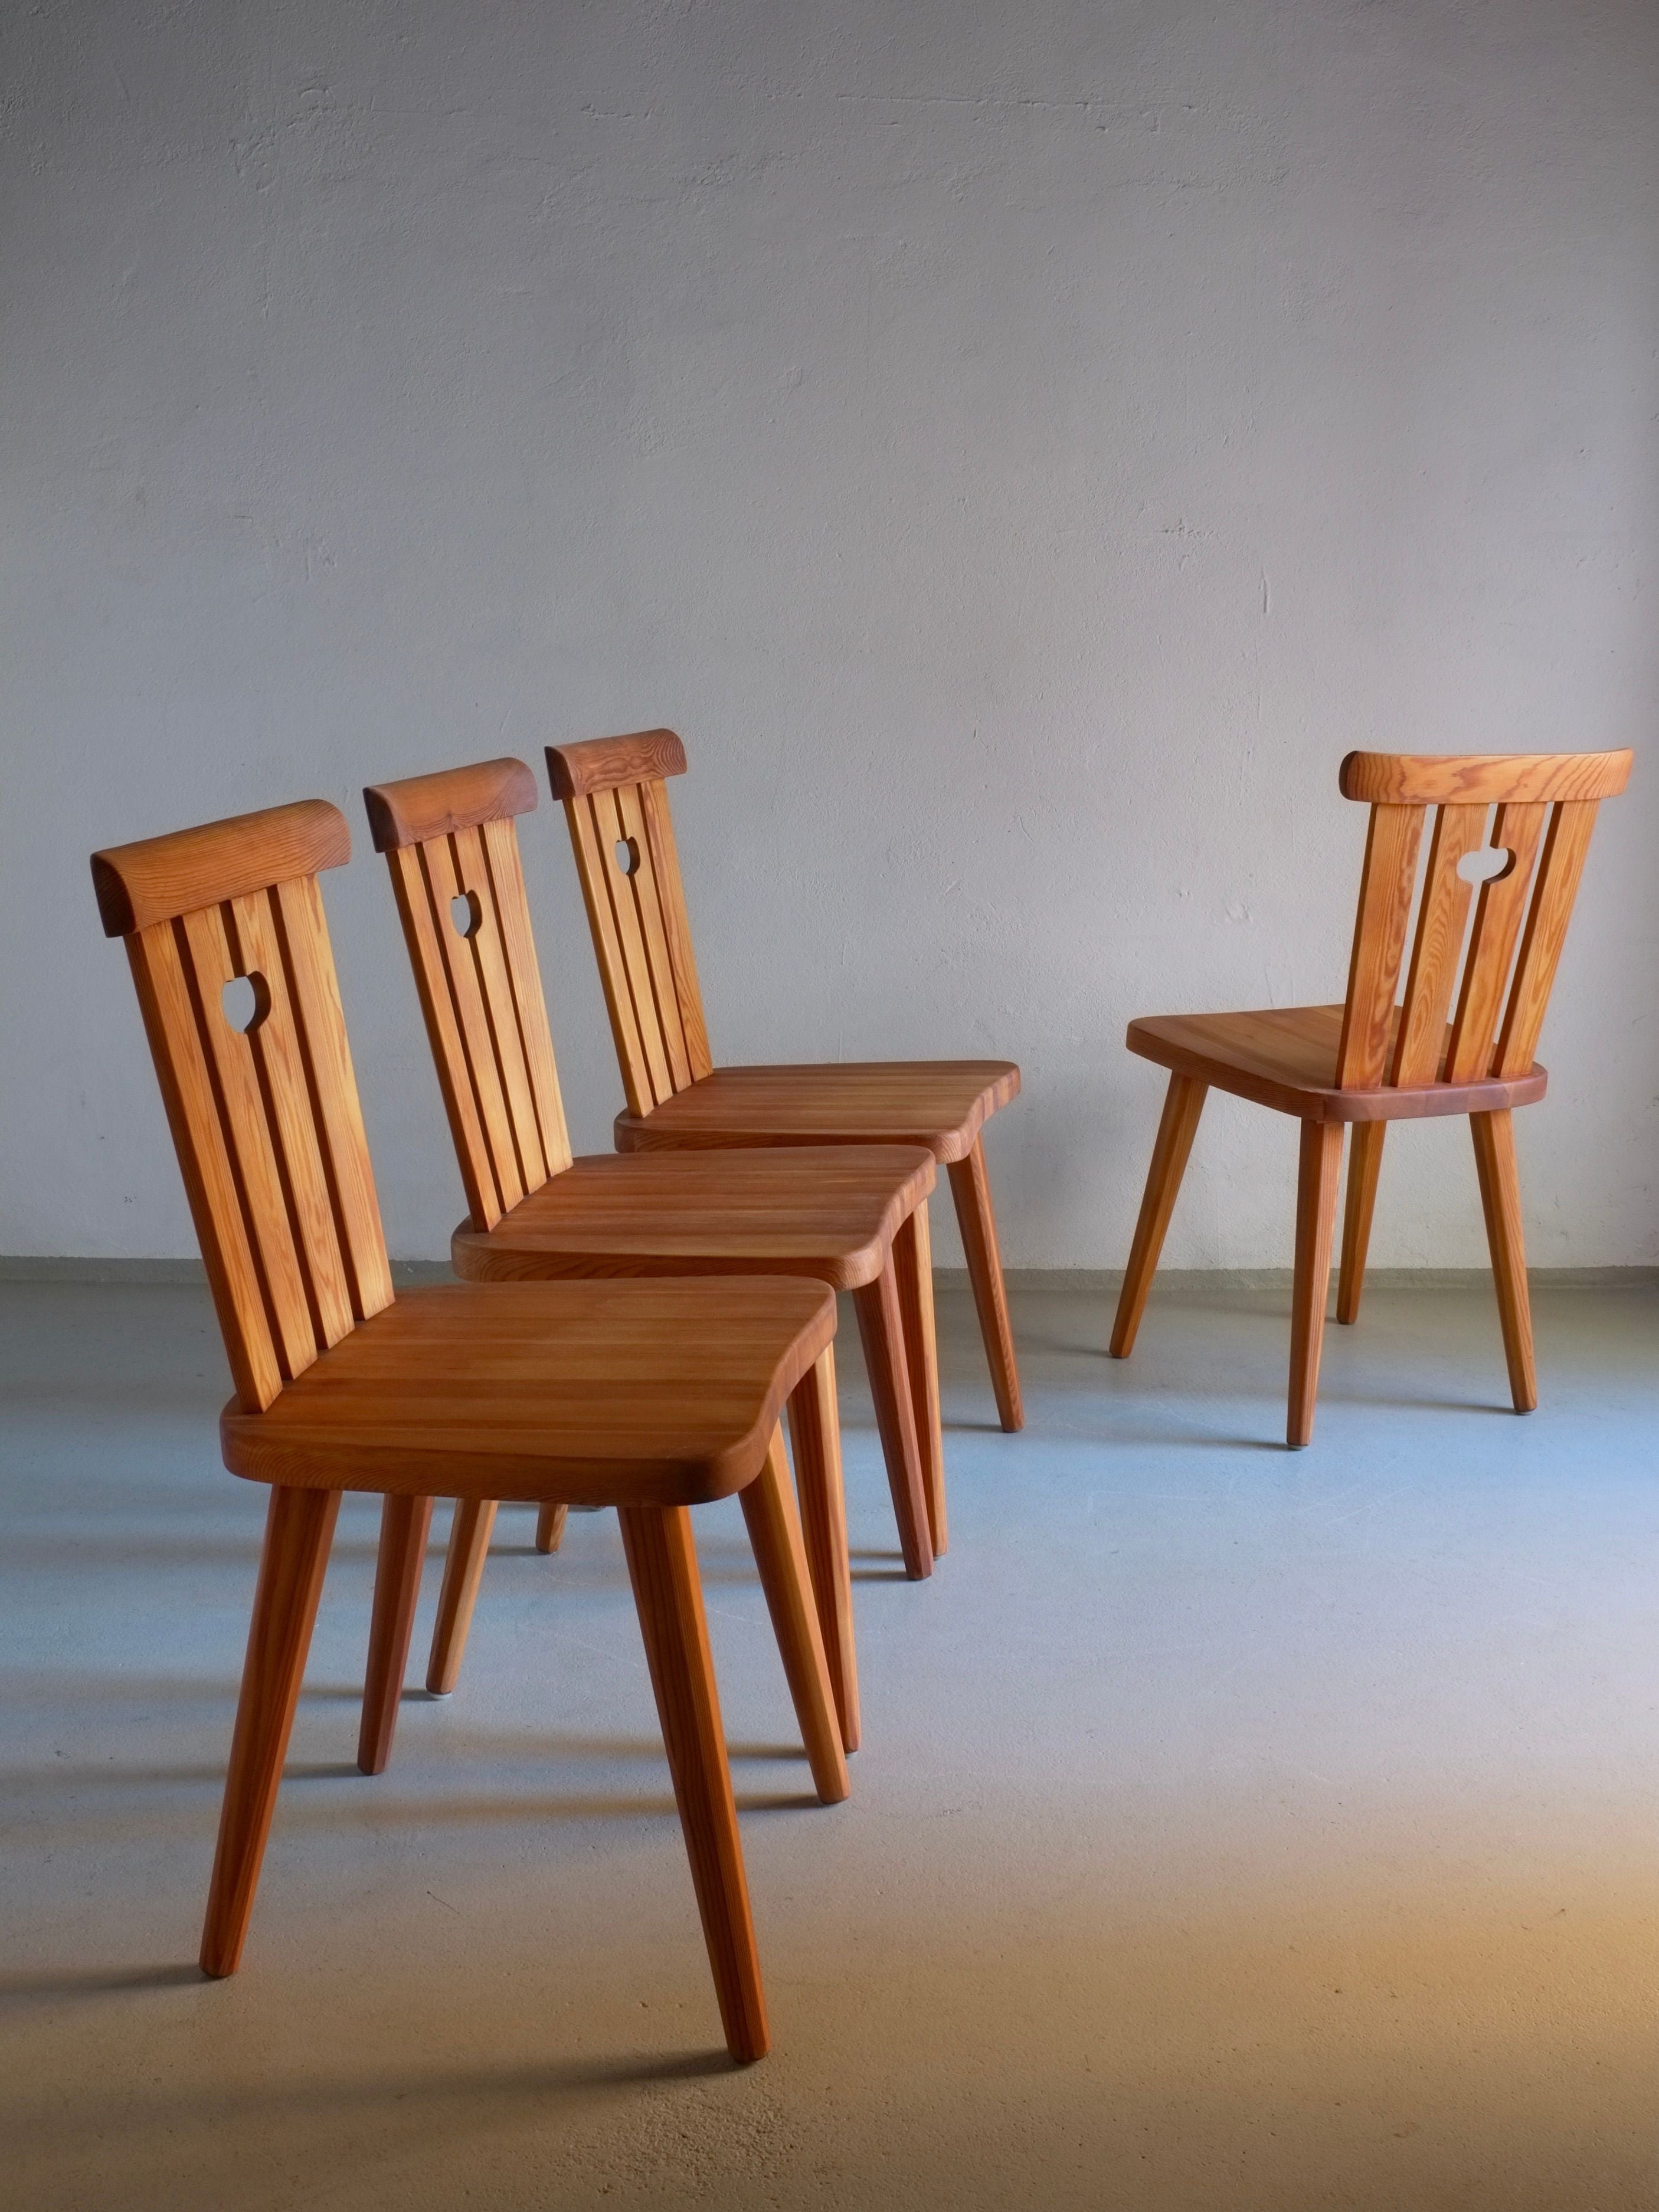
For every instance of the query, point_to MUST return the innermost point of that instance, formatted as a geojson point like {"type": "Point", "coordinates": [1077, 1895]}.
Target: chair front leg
{"type": "Point", "coordinates": [774, 1529]}
{"type": "Point", "coordinates": [1364, 1165]}
{"type": "Point", "coordinates": [463, 1570]}
{"type": "Point", "coordinates": [881, 1331]}
{"type": "Point", "coordinates": [970, 1187]}
{"type": "Point", "coordinates": [298, 1530]}
{"type": "Point", "coordinates": [662, 1568]}
{"type": "Point", "coordinates": [1500, 1200]}
{"type": "Point", "coordinates": [550, 1527]}
{"type": "Point", "coordinates": [912, 1267]}
{"type": "Point", "coordinates": [403, 1525]}
{"type": "Point", "coordinates": [1319, 1172]}
{"type": "Point", "coordinates": [815, 1441]}
{"type": "Point", "coordinates": [1177, 1127]}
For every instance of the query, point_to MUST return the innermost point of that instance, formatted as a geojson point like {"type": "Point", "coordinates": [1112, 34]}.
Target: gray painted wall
{"type": "Point", "coordinates": [1020, 445]}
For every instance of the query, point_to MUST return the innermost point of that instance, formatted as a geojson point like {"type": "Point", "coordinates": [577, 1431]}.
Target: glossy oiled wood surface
{"type": "Point", "coordinates": [1481, 779]}
{"type": "Point", "coordinates": [940, 1103]}
{"type": "Point", "coordinates": [602, 763]}
{"type": "Point", "coordinates": [1285, 1057]}
{"type": "Point", "coordinates": [591, 1393]}
{"type": "Point", "coordinates": [417, 807]}
{"type": "Point", "coordinates": [158, 878]}
{"type": "Point", "coordinates": [832, 1213]}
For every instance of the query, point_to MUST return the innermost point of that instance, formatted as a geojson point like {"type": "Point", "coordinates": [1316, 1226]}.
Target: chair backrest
{"type": "Point", "coordinates": [1544, 809]}
{"type": "Point", "coordinates": [449, 841]}
{"type": "Point", "coordinates": [265, 1119]}
{"type": "Point", "coordinates": [616, 802]}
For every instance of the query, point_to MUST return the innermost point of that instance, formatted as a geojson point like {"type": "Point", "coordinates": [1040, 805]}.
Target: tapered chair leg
{"type": "Point", "coordinates": [774, 1529]}
{"type": "Point", "coordinates": [882, 1330]}
{"type": "Point", "coordinates": [663, 1567]}
{"type": "Point", "coordinates": [1319, 1172]}
{"type": "Point", "coordinates": [298, 1530]}
{"type": "Point", "coordinates": [550, 1527]}
{"type": "Point", "coordinates": [1500, 1200]}
{"type": "Point", "coordinates": [1364, 1164]}
{"type": "Point", "coordinates": [1182, 1105]}
{"type": "Point", "coordinates": [912, 1266]}
{"type": "Point", "coordinates": [403, 1525]}
{"type": "Point", "coordinates": [816, 1441]}
{"type": "Point", "coordinates": [970, 1187]}
{"type": "Point", "coordinates": [463, 1570]}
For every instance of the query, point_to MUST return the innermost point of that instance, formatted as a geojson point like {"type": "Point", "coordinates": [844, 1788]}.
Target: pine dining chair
{"type": "Point", "coordinates": [616, 802]}
{"type": "Point", "coordinates": [843, 1216]}
{"type": "Point", "coordinates": [650, 1397]}
{"type": "Point", "coordinates": [1370, 1061]}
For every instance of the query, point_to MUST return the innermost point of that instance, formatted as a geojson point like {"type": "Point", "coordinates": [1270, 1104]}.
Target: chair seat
{"type": "Point", "coordinates": [594, 1394]}
{"type": "Point", "coordinates": [939, 1103]}
{"type": "Point", "coordinates": [830, 1211]}
{"type": "Point", "coordinates": [1285, 1057]}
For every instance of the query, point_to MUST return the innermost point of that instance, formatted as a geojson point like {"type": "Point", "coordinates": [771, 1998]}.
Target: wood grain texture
{"type": "Point", "coordinates": [1379, 930]}
{"type": "Point", "coordinates": [830, 1212]}
{"type": "Point", "coordinates": [1498, 916]}
{"type": "Point", "coordinates": [1177, 1127]}
{"type": "Point", "coordinates": [668, 1595]}
{"type": "Point", "coordinates": [912, 1268]}
{"type": "Point", "coordinates": [417, 807]}
{"type": "Point", "coordinates": [298, 1531]}
{"type": "Point", "coordinates": [1285, 1057]}
{"type": "Point", "coordinates": [1420, 1034]}
{"type": "Point", "coordinates": [589, 1392]}
{"type": "Point", "coordinates": [404, 1522]}
{"type": "Point", "coordinates": [1319, 1172]}
{"type": "Point", "coordinates": [1565, 845]}
{"type": "Point", "coordinates": [815, 1441]}
{"type": "Point", "coordinates": [158, 878]}
{"type": "Point", "coordinates": [602, 763]}
{"type": "Point", "coordinates": [940, 1103]}
{"type": "Point", "coordinates": [1500, 1201]}
{"type": "Point", "coordinates": [595, 864]}
{"type": "Point", "coordinates": [463, 1572]}
{"type": "Point", "coordinates": [550, 1528]}
{"type": "Point", "coordinates": [970, 1187]}
{"type": "Point", "coordinates": [1481, 779]}
{"type": "Point", "coordinates": [774, 1527]}
{"type": "Point", "coordinates": [881, 1332]}
{"type": "Point", "coordinates": [1364, 1165]}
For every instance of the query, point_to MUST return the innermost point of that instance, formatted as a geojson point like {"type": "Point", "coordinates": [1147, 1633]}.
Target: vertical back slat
{"type": "Point", "coordinates": [420, 928]}
{"type": "Point", "coordinates": [501, 854]}
{"type": "Point", "coordinates": [443, 889]}
{"type": "Point", "coordinates": [594, 865]}
{"type": "Point", "coordinates": [1440, 920]}
{"type": "Point", "coordinates": [289, 1114]}
{"type": "Point", "coordinates": [676, 924]}
{"type": "Point", "coordinates": [1558, 873]}
{"type": "Point", "coordinates": [665, 1000]}
{"type": "Point", "coordinates": [1379, 928]}
{"type": "Point", "coordinates": [1497, 916]}
{"type": "Point", "coordinates": [180, 1051]}
{"type": "Point", "coordinates": [249, 1138]}
{"type": "Point", "coordinates": [321, 1022]}
{"type": "Point", "coordinates": [608, 825]}
{"type": "Point", "coordinates": [500, 1007]}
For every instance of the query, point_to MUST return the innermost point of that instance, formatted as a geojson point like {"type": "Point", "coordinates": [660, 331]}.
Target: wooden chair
{"type": "Point", "coordinates": [1371, 1062]}
{"type": "Point", "coordinates": [616, 802]}
{"type": "Point", "coordinates": [650, 1397]}
{"type": "Point", "coordinates": [853, 1218]}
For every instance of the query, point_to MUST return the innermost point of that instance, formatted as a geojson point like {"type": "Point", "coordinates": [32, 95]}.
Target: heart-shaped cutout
{"type": "Point", "coordinates": [245, 1001]}
{"type": "Point", "coordinates": [1489, 865]}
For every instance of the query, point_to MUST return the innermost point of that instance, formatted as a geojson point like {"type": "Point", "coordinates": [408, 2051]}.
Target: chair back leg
{"type": "Point", "coordinates": [550, 1527]}
{"type": "Point", "coordinates": [404, 1522]}
{"type": "Point", "coordinates": [298, 1530]}
{"type": "Point", "coordinates": [881, 1332]}
{"type": "Point", "coordinates": [1182, 1105]}
{"type": "Point", "coordinates": [970, 1187]}
{"type": "Point", "coordinates": [1319, 1172]}
{"type": "Point", "coordinates": [912, 1266]}
{"type": "Point", "coordinates": [815, 1443]}
{"type": "Point", "coordinates": [774, 1529]}
{"type": "Point", "coordinates": [463, 1570]}
{"type": "Point", "coordinates": [662, 1568]}
{"type": "Point", "coordinates": [1500, 1200]}
{"type": "Point", "coordinates": [1364, 1164]}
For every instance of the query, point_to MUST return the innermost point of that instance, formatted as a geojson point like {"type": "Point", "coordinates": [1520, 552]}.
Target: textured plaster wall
{"type": "Point", "coordinates": [1022, 446]}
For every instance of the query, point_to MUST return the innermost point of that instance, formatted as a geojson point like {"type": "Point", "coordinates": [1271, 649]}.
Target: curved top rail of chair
{"type": "Point", "coordinates": [1481, 779]}
{"type": "Point", "coordinates": [418, 808]}
{"type": "Point", "coordinates": [602, 763]}
{"type": "Point", "coordinates": [158, 878]}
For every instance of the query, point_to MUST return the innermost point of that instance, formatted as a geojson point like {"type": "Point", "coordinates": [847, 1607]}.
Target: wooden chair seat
{"type": "Point", "coordinates": [1285, 1057]}
{"type": "Point", "coordinates": [831, 1214]}
{"type": "Point", "coordinates": [594, 1393]}
{"type": "Point", "coordinates": [940, 1103]}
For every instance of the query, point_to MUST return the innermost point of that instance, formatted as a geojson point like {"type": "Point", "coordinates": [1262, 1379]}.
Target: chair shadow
{"type": "Point", "coordinates": [41, 1984]}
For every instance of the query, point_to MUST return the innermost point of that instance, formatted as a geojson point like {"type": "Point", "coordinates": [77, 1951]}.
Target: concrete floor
{"type": "Point", "coordinates": [1234, 1827]}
